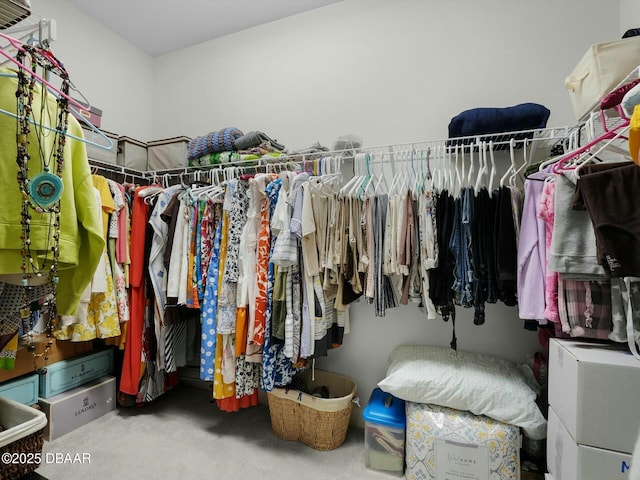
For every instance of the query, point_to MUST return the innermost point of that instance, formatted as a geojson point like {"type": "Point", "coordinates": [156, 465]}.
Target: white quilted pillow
{"type": "Point", "coordinates": [481, 384]}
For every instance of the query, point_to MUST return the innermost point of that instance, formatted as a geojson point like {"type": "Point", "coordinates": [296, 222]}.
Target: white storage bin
{"type": "Point", "coordinates": [167, 153]}
{"type": "Point", "coordinates": [600, 70]}
{"type": "Point", "coordinates": [132, 153]}
{"type": "Point", "coordinates": [101, 154]}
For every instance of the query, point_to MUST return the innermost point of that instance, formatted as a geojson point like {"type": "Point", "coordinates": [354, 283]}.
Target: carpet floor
{"type": "Point", "coordinates": [182, 435]}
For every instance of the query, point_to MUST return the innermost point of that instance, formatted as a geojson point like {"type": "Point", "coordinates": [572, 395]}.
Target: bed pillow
{"type": "Point", "coordinates": [481, 384]}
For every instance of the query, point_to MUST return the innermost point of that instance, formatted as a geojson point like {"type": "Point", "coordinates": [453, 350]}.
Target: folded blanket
{"type": "Point", "coordinates": [254, 139]}
{"type": "Point", "coordinates": [214, 159]}
{"type": "Point", "coordinates": [214, 142]}
{"type": "Point", "coordinates": [483, 121]}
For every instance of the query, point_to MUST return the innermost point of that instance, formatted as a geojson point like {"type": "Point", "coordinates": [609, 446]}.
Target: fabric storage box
{"type": "Point", "coordinates": [568, 460]}
{"type": "Point", "coordinates": [98, 148]}
{"type": "Point", "coordinates": [22, 437]}
{"type": "Point", "coordinates": [600, 70]}
{"type": "Point", "coordinates": [384, 430]}
{"type": "Point", "coordinates": [92, 114]}
{"type": "Point", "coordinates": [167, 153]}
{"type": "Point", "coordinates": [320, 423]}
{"type": "Point", "coordinates": [132, 153]}
{"type": "Point", "coordinates": [590, 387]}
{"type": "Point", "coordinates": [23, 390]}
{"type": "Point", "coordinates": [76, 407]}
{"type": "Point", "coordinates": [445, 443]}
{"type": "Point", "coordinates": [65, 375]}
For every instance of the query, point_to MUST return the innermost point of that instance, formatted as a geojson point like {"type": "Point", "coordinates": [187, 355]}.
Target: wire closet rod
{"type": "Point", "coordinates": [119, 169]}
{"type": "Point", "coordinates": [498, 139]}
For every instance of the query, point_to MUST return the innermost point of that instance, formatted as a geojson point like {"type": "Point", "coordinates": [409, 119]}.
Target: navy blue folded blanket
{"type": "Point", "coordinates": [487, 121]}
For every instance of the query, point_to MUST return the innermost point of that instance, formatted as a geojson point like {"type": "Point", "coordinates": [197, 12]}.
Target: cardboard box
{"type": "Point", "coordinates": [593, 388]}
{"type": "Point", "coordinates": [68, 374]}
{"type": "Point", "coordinates": [23, 390]}
{"type": "Point", "coordinates": [74, 408]}
{"type": "Point", "coordinates": [567, 460]}
{"type": "Point", "coordinates": [60, 350]}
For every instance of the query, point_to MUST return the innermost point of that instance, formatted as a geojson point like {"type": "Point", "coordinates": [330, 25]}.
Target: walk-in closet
{"type": "Point", "coordinates": [319, 239]}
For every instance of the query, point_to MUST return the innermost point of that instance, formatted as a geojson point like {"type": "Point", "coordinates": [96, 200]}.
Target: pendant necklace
{"type": "Point", "coordinates": [40, 194]}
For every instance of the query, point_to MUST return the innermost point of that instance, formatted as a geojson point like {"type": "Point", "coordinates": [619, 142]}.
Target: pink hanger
{"type": "Point", "coordinates": [610, 135]}
{"type": "Point", "coordinates": [18, 45]}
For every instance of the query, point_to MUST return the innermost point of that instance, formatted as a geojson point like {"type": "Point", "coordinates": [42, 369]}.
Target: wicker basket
{"type": "Point", "coordinates": [320, 423]}
{"type": "Point", "coordinates": [22, 436]}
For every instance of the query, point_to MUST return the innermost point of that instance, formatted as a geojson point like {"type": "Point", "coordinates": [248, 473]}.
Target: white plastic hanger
{"type": "Point", "coordinates": [357, 177]}
{"type": "Point", "coordinates": [512, 167]}
{"type": "Point", "coordinates": [525, 162]}
{"type": "Point", "coordinates": [470, 183]}
{"type": "Point", "coordinates": [493, 174]}
{"type": "Point", "coordinates": [458, 180]}
{"type": "Point", "coordinates": [482, 166]}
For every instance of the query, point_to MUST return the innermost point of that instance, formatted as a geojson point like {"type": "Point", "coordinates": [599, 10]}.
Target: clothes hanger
{"type": "Point", "coordinates": [610, 136]}
{"type": "Point", "coordinates": [469, 181]}
{"type": "Point", "coordinates": [418, 185]}
{"type": "Point", "coordinates": [463, 177]}
{"type": "Point", "coordinates": [512, 167]}
{"type": "Point", "coordinates": [458, 181]}
{"type": "Point", "coordinates": [15, 43]}
{"type": "Point", "coordinates": [396, 162]}
{"type": "Point", "coordinates": [365, 186]}
{"type": "Point", "coordinates": [482, 166]}
{"type": "Point", "coordinates": [493, 174]}
{"type": "Point", "coordinates": [381, 186]}
{"type": "Point", "coordinates": [344, 191]}
{"type": "Point", "coordinates": [437, 177]}
{"type": "Point", "coordinates": [346, 188]}
{"type": "Point", "coordinates": [589, 156]}
{"type": "Point", "coordinates": [525, 163]}
{"type": "Point", "coordinates": [106, 146]}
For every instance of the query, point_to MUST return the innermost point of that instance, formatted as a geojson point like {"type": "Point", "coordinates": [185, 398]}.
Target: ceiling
{"type": "Point", "coordinates": [163, 26]}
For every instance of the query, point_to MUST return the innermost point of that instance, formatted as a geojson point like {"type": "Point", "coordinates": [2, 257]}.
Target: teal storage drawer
{"type": "Point", "coordinates": [65, 375]}
{"type": "Point", "coordinates": [23, 390]}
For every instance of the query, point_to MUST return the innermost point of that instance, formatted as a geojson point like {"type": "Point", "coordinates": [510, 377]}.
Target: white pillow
{"type": "Point", "coordinates": [481, 384]}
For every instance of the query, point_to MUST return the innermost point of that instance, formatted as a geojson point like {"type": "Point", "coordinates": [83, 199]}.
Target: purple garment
{"type": "Point", "coordinates": [532, 253]}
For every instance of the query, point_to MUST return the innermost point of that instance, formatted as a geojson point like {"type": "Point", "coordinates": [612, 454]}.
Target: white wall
{"type": "Point", "coordinates": [114, 75]}
{"type": "Point", "coordinates": [629, 15]}
{"type": "Point", "coordinates": [388, 71]}
{"type": "Point", "coordinates": [391, 72]}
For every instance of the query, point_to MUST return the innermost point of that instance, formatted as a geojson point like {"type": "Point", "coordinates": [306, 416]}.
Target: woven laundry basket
{"type": "Point", "coordinates": [320, 423]}
{"type": "Point", "coordinates": [21, 439]}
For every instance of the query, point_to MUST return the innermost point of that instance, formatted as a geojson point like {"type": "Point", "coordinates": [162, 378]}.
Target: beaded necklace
{"type": "Point", "coordinates": [41, 193]}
